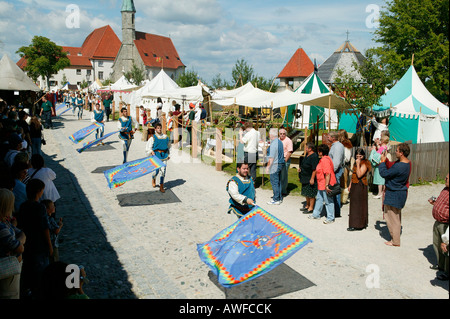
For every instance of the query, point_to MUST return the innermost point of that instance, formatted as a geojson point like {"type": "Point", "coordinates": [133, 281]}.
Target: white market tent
{"type": "Point", "coordinates": [259, 98]}
{"type": "Point", "coordinates": [12, 78]}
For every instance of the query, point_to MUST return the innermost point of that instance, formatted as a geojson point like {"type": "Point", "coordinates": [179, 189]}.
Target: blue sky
{"type": "Point", "coordinates": [210, 35]}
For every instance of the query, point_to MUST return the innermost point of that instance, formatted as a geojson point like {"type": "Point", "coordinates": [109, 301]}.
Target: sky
{"type": "Point", "coordinates": [209, 35]}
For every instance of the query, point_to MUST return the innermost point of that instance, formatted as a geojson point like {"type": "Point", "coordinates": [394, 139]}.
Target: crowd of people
{"type": "Point", "coordinates": [328, 171]}
{"type": "Point", "coordinates": [29, 229]}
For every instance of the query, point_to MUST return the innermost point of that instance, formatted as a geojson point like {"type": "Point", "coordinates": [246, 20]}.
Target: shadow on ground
{"type": "Point", "coordinates": [277, 282]}
{"type": "Point", "coordinates": [83, 240]}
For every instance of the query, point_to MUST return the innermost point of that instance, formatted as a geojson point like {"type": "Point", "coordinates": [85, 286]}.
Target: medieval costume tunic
{"type": "Point", "coordinates": [359, 202]}
{"type": "Point", "coordinates": [125, 125]}
{"type": "Point", "coordinates": [240, 189]}
{"type": "Point", "coordinates": [160, 144]}
{"type": "Point", "coordinates": [98, 116]}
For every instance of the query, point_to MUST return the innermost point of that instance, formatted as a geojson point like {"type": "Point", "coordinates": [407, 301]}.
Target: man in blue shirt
{"type": "Point", "coordinates": [337, 154]}
{"type": "Point", "coordinates": [275, 165]}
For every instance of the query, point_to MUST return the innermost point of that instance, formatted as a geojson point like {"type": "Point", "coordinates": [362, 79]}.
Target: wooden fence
{"type": "Point", "coordinates": [429, 161]}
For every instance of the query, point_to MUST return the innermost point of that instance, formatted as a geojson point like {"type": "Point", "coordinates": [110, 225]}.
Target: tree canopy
{"type": "Point", "coordinates": [44, 58]}
{"type": "Point", "coordinates": [416, 28]}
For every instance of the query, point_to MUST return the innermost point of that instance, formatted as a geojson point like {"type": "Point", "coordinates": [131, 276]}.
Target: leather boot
{"type": "Point", "coordinates": [161, 188]}
{"type": "Point", "coordinates": [153, 182]}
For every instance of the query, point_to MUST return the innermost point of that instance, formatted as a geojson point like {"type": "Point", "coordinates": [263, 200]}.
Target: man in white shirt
{"type": "Point", "coordinates": [250, 138]}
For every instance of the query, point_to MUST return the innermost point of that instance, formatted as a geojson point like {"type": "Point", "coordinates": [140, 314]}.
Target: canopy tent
{"type": "Point", "coordinates": [415, 114]}
{"type": "Point", "coordinates": [68, 86]}
{"type": "Point", "coordinates": [12, 78]}
{"type": "Point", "coordinates": [96, 85]}
{"type": "Point", "coordinates": [258, 98]}
{"type": "Point", "coordinates": [314, 85]}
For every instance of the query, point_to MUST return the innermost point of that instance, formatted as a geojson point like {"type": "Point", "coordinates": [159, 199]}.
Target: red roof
{"type": "Point", "coordinates": [101, 44]}
{"type": "Point", "coordinates": [151, 47]}
{"type": "Point", "coordinates": [299, 65]}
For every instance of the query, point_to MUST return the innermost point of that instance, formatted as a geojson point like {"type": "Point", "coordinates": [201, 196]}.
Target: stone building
{"type": "Point", "coordinates": [149, 52]}
{"type": "Point", "coordinates": [296, 70]}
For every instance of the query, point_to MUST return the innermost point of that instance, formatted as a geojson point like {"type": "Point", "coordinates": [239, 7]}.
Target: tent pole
{"type": "Point", "coordinates": [329, 113]}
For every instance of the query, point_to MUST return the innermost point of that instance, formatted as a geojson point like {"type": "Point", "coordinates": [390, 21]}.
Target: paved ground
{"type": "Point", "coordinates": [149, 251]}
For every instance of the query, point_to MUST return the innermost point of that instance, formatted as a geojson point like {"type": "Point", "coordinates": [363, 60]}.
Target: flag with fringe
{"type": "Point", "coordinates": [119, 175]}
{"type": "Point", "coordinates": [252, 246]}
{"type": "Point", "coordinates": [80, 135]}
{"type": "Point", "coordinates": [95, 142]}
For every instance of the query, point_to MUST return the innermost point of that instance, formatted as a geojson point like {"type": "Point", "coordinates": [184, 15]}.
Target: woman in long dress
{"type": "Point", "coordinates": [359, 203]}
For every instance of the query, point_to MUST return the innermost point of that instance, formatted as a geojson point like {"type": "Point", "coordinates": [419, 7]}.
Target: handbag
{"type": "Point", "coordinates": [335, 190]}
{"type": "Point", "coordinates": [9, 266]}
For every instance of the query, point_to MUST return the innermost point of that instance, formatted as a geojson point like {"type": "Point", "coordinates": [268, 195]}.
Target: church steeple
{"type": "Point", "coordinates": [128, 5]}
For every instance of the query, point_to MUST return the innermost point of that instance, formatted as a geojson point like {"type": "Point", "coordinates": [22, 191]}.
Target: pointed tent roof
{"type": "Point", "coordinates": [13, 78]}
{"type": "Point", "coordinates": [342, 58]}
{"type": "Point", "coordinates": [410, 96]}
{"type": "Point", "coordinates": [299, 65]}
{"type": "Point", "coordinates": [313, 85]}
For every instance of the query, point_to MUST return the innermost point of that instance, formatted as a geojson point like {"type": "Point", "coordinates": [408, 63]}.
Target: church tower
{"type": "Point", "coordinates": [128, 34]}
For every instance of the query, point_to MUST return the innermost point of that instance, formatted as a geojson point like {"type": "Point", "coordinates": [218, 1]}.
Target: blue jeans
{"type": "Point", "coordinates": [36, 145]}
{"type": "Point", "coordinates": [275, 180]}
{"type": "Point", "coordinates": [284, 177]}
{"type": "Point", "coordinates": [337, 198]}
{"type": "Point", "coordinates": [323, 198]}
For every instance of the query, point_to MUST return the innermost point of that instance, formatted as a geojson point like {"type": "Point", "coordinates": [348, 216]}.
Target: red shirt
{"type": "Point", "coordinates": [325, 167]}
{"type": "Point", "coordinates": [440, 207]}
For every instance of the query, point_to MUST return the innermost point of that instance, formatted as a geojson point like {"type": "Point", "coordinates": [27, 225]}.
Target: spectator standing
{"type": "Point", "coordinates": [46, 175]}
{"type": "Point", "coordinates": [250, 139]}
{"type": "Point", "coordinates": [36, 135]}
{"type": "Point", "coordinates": [288, 149]}
{"type": "Point", "coordinates": [12, 242]}
{"type": "Point", "coordinates": [440, 214]}
{"type": "Point", "coordinates": [307, 175]}
{"type": "Point", "coordinates": [396, 176]}
{"type": "Point", "coordinates": [337, 155]}
{"type": "Point", "coordinates": [325, 177]}
{"type": "Point", "coordinates": [275, 165]}
{"type": "Point", "coordinates": [32, 220]}
{"type": "Point", "coordinates": [359, 202]}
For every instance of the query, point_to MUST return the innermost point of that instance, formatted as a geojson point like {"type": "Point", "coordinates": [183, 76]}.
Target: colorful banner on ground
{"type": "Point", "coordinates": [119, 175]}
{"type": "Point", "coordinates": [80, 135]}
{"type": "Point", "coordinates": [252, 246]}
{"type": "Point", "coordinates": [95, 142]}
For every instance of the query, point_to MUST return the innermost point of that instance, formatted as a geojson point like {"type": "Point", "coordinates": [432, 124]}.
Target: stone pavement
{"type": "Point", "coordinates": [136, 243]}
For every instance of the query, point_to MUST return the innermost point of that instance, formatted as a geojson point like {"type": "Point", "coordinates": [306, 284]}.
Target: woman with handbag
{"type": "Point", "coordinates": [359, 202]}
{"type": "Point", "coordinates": [326, 185]}
{"type": "Point", "coordinates": [12, 242]}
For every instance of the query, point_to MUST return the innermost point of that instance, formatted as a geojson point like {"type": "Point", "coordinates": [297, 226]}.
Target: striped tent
{"type": "Point", "coordinates": [312, 85]}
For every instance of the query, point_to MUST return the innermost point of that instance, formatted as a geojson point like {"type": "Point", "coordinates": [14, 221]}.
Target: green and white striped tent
{"type": "Point", "coordinates": [312, 85]}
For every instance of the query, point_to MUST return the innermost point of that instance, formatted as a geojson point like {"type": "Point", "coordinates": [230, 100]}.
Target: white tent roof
{"type": "Point", "coordinates": [226, 94]}
{"type": "Point", "coordinates": [122, 84]}
{"type": "Point", "coordinates": [258, 98]}
{"type": "Point", "coordinates": [13, 78]}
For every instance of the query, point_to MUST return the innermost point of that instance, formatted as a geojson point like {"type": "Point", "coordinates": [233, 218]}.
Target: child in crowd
{"type": "Point", "coordinates": [54, 228]}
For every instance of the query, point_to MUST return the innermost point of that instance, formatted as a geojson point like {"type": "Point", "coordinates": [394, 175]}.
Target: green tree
{"type": "Point", "coordinates": [44, 58]}
{"type": "Point", "coordinates": [188, 78]}
{"type": "Point", "coordinates": [219, 83]}
{"type": "Point", "coordinates": [364, 94]}
{"type": "Point", "coordinates": [135, 76]}
{"type": "Point", "coordinates": [242, 73]}
{"type": "Point", "coordinates": [419, 28]}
